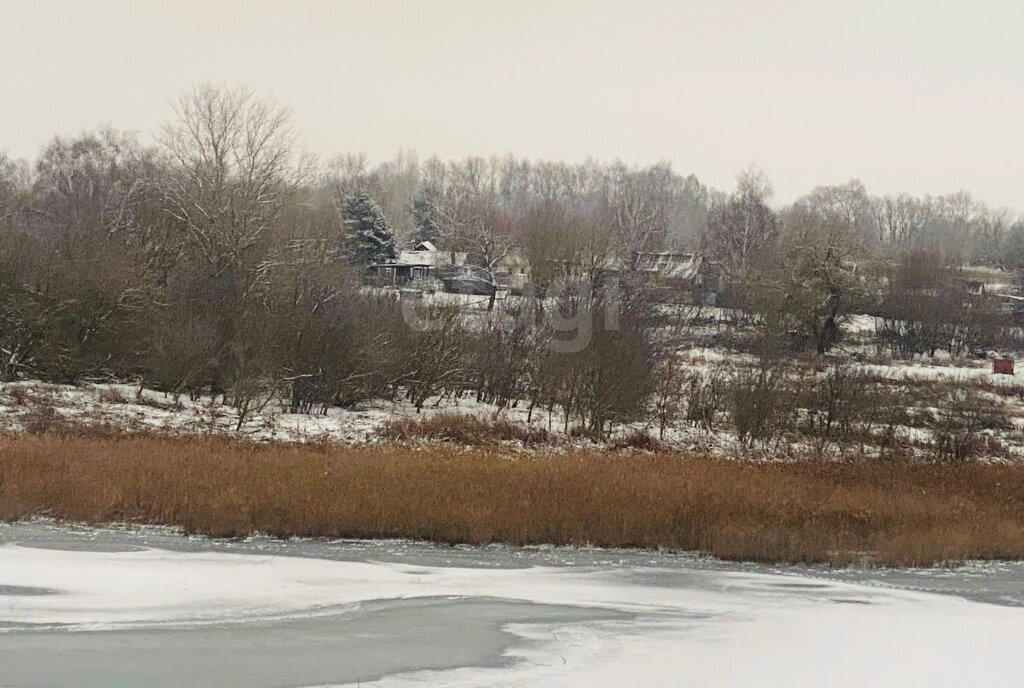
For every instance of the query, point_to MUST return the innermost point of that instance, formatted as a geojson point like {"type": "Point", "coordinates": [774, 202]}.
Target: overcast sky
{"type": "Point", "coordinates": [919, 96]}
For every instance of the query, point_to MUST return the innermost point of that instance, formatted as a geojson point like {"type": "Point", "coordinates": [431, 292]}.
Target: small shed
{"type": "Point", "coordinates": [1002, 365]}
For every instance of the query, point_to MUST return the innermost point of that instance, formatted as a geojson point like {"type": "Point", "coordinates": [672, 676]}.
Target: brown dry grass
{"type": "Point", "coordinates": [817, 512]}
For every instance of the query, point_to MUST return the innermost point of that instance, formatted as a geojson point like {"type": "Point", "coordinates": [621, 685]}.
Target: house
{"type": "Point", "coordinates": [423, 261]}
{"type": "Point", "coordinates": [669, 264]}
{"type": "Point", "coordinates": [427, 253]}
{"type": "Point", "coordinates": [398, 272]}
{"type": "Point", "coordinates": [512, 271]}
{"type": "Point", "coordinates": [676, 276]}
{"type": "Point", "coordinates": [683, 271]}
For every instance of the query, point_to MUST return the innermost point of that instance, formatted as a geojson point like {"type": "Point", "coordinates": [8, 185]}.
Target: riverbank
{"type": "Point", "coordinates": [839, 513]}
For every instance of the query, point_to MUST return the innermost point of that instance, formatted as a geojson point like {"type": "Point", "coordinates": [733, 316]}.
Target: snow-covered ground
{"type": "Point", "coordinates": [121, 406]}
{"type": "Point", "coordinates": [653, 620]}
{"type": "Point", "coordinates": [28, 405]}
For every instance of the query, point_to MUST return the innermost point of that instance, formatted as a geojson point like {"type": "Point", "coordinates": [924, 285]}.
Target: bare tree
{"type": "Point", "coordinates": [14, 186]}
{"type": "Point", "coordinates": [742, 227]}
{"type": "Point", "coordinates": [233, 168]}
{"type": "Point", "coordinates": [637, 201]}
{"type": "Point", "coordinates": [231, 171]}
{"type": "Point", "coordinates": [79, 269]}
{"type": "Point", "coordinates": [814, 284]}
{"type": "Point", "coordinates": [902, 220]}
{"type": "Point", "coordinates": [489, 239]}
{"type": "Point", "coordinates": [847, 205]}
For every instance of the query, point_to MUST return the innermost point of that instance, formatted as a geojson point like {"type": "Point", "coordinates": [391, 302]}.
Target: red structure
{"type": "Point", "coordinates": [1002, 366]}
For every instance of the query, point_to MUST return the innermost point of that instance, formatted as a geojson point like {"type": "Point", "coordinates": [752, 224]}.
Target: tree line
{"type": "Point", "coordinates": [223, 260]}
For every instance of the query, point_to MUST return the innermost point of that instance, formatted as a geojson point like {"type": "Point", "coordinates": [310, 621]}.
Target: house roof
{"type": "Point", "coordinates": [415, 258]}
{"type": "Point", "coordinates": [670, 264]}
{"type": "Point", "coordinates": [426, 253]}
{"type": "Point", "coordinates": [400, 263]}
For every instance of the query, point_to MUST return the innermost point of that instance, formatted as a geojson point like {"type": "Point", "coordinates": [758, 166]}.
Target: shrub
{"type": "Point", "coordinates": [463, 429]}
{"type": "Point", "coordinates": [705, 400]}
{"type": "Point", "coordinates": [959, 425]}
{"type": "Point", "coordinates": [839, 403]}
{"type": "Point", "coordinates": [17, 394]}
{"type": "Point", "coordinates": [113, 395]}
{"type": "Point", "coordinates": [43, 418]}
{"type": "Point", "coordinates": [638, 439]}
{"type": "Point", "coordinates": [757, 404]}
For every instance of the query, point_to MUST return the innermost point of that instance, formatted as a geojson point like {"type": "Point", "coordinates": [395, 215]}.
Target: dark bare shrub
{"type": "Point", "coordinates": [17, 394]}
{"type": "Point", "coordinates": [960, 425]}
{"type": "Point", "coordinates": [462, 429]}
{"type": "Point", "coordinates": [669, 394]}
{"type": "Point", "coordinates": [837, 404]}
{"type": "Point", "coordinates": [42, 418]}
{"type": "Point", "coordinates": [432, 360]}
{"type": "Point", "coordinates": [638, 439]}
{"type": "Point", "coordinates": [757, 404]}
{"type": "Point", "coordinates": [706, 398]}
{"type": "Point", "coordinates": [112, 395]}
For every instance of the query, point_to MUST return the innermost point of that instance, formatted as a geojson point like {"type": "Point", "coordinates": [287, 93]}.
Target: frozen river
{"type": "Point", "coordinates": [87, 607]}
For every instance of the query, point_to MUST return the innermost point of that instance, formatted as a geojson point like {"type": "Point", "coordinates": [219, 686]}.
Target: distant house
{"type": "Point", "coordinates": [512, 272]}
{"type": "Point", "coordinates": [398, 272]}
{"type": "Point", "coordinates": [687, 272]}
{"type": "Point", "coordinates": [423, 261]}
{"type": "Point", "coordinates": [427, 253]}
{"type": "Point", "coordinates": [669, 264]}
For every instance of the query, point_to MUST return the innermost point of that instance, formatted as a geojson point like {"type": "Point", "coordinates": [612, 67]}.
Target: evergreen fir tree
{"type": "Point", "coordinates": [368, 238]}
{"type": "Point", "coordinates": [425, 218]}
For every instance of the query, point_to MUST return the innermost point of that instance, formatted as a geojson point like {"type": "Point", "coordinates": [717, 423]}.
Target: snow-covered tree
{"type": "Point", "coordinates": [368, 238]}
{"type": "Point", "coordinates": [233, 170]}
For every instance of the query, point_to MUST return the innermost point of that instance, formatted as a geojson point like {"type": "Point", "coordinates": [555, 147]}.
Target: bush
{"type": "Point", "coordinates": [113, 395]}
{"type": "Point", "coordinates": [17, 394]}
{"type": "Point", "coordinates": [757, 404]}
{"type": "Point", "coordinates": [42, 419]}
{"type": "Point", "coordinates": [706, 399]}
{"type": "Point", "coordinates": [463, 429]}
{"type": "Point", "coordinates": [638, 439]}
{"type": "Point", "coordinates": [961, 423]}
{"type": "Point", "coordinates": [840, 403]}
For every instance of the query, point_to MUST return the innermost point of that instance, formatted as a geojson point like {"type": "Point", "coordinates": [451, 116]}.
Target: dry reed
{"type": "Point", "coordinates": [892, 513]}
